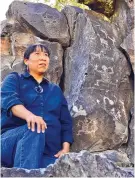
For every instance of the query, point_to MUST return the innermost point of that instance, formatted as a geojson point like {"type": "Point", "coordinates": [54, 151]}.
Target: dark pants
{"type": "Point", "coordinates": [22, 148]}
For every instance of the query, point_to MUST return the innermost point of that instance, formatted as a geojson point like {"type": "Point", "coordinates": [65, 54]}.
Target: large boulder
{"type": "Point", "coordinates": [40, 19]}
{"type": "Point", "coordinates": [97, 86]}
{"type": "Point", "coordinates": [83, 164]}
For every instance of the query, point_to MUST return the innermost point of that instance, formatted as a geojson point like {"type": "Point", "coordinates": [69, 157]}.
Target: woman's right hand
{"type": "Point", "coordinates": [32, 119]}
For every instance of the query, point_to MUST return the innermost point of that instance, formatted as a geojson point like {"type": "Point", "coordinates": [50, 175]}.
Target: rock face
{"type": "Point", "coordinates": [123, 18]}
{"type": "Point", "coordinates": [130, 148]}
{"type": "Point", "coordinates": [128, 45]}
{"type": "Point", "coordinates": [40, 19]}
{"type": "Point", "coordinates": [83, 164]}
{"type": "Point", "coordinates": [71, 14]}
{"type": "Point", "coordinates": [130, 4]}
{"type": "Point", "coordinates": [97, 87]}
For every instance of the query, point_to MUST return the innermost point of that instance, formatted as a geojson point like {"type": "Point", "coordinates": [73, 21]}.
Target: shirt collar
{"type": "Point", "coordinates": [27, 75]}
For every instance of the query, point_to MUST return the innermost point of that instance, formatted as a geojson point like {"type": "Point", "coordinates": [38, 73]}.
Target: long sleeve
{"type": "Point", "coordinates": [66, 122]}
{"type": "Point", "coordinates": [10, 92]}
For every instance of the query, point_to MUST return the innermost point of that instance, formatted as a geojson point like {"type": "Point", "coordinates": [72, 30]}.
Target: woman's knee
{"type": "Point", "coordinates": [13, 134]}
{"type": "Point", "coordinates": [34, 135]}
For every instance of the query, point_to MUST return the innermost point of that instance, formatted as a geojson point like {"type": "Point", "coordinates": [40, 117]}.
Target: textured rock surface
{"type": "Point", "coordinates": [130, 4]}
{"type": "Point", "coordinates": [119, 158]}
{"type": "Point", "coordinates": [83, 164]}
{"type": "Point", "coordinates": [123, 18]}
{"type": "Point", "coordinates": [130, 148]}
{"type": "Point", "coordinates": [8, 27]}
{"type": "Point", "coordinates": [71, 14]}
{"type": "Point", "coordinates": [128, 45]}
{"type": "Point", "coordinates": [6, 65]}
{"type": "Point", "coordinates": [40, 19]}
{"type": "Point", "coordinates": [101, 6]}
{"type": "Point", "coordinates": [97, 87]}
{"type": "Point", "coordinates": [5, 46]}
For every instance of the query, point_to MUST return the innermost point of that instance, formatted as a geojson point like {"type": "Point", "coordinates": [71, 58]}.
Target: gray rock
{"type": "Point", "coordinates": [130, 4]}
{"type": "Point", "coordinates": [8, 27]}
{"type": "Point", "coordinates": [83, 164]}
{"type": "Point", "coordinates": [129, 147]}
{"type": "Point", "coordinates": [40, 19]}
{"type": "Point", "coordinates": [4, 72]}
{"type": "Point", "coordinates": [123, 19]}
{"type": "Point", "coordinates": [97, 86]}
{"type": "Point", "coordinates": [71, 14]}
{"type": "Point", "coordinates": [128, 45]}
{"type": "Point", "coordinates": [6, 65]}
{"type": "Point", "coordinates": [119, 158]}
{"type": "Point", "coordinates": [5, 27]}
{"type": "Point", "coordinates": [6, 46]}
{"type": "Point", "coordinates": [20, 41]}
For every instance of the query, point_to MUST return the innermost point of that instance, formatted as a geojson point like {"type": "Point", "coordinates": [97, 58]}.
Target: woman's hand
{"type": "Point", "coordinates": [66, 148]}
{"type": "Point", "coordinates": [60, 153]}
{"type": "Point", "coordinates": [32, 119]}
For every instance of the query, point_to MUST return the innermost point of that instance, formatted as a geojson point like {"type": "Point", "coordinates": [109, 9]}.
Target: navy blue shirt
{"type": "Point", "coordinates": [50, 104]}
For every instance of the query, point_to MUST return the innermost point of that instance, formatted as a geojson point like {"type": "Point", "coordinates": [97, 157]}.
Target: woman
{"type": "Point", "coordinates": [36, 123]}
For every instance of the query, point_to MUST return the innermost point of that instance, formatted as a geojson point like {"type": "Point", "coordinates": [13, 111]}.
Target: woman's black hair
{"type": "Point", "coordinates": [32, 48]}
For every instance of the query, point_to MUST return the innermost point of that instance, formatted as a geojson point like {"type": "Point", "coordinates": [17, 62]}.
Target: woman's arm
{"type": "Point", "coordinates": [31, 119]}
{"type": "Point", "coordinates": [11, 103]}
{"type": "Point", "coordinates": [66, 149]}
{"type": "Point", "coordinates": [20, 111]}
{"type": "Point", "coordinates": [10, 93]}
{"type": "Point", "coordinates": [66, 128]}
{"type": "Point", "coordinates": [66, 122]}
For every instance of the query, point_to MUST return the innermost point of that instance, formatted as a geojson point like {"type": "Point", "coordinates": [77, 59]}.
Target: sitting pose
{"type": "Point", "coordinates": [36, 126]}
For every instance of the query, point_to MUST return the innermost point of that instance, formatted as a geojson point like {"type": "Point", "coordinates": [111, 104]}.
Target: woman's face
{"type": "Point", "coordinates": [38, 61]}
